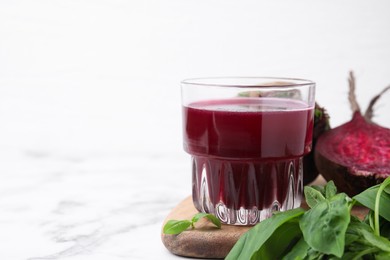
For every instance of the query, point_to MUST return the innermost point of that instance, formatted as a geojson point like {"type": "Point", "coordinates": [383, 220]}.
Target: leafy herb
{"type": "Point", "coordinates": [210, 217]}
{"type": "Point", "coordinates": [175, 227]}
{"type": "Point", "coordinates": [368, 198]}
{"type": "Point", "coordinates": [377, 201]}
{"type": "Point", "coordinates": [318, 113]}
{"type": "Point", "coordinates": [254, 241]}
{"type": "Point", "coordinates": [324, 226]}
{"type": "Point", "coordinates": [313, 196]}
{"type": "Point", "coordinates": [330, 190]}
{"type": "Point", "coordinates": [325, 231]}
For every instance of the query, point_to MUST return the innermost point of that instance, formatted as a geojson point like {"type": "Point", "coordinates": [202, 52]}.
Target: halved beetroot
{"type": "Point", "coordinates": [355, 155]}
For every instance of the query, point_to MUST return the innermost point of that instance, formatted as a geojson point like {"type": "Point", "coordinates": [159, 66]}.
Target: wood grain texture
{"type": "Point", "coordinates": [205, 241]}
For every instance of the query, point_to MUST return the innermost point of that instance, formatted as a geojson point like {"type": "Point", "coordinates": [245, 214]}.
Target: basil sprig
{"type": "Point", "coordinates": [325, 231]}
{"type": "Point", "coordinates": [175, 227]}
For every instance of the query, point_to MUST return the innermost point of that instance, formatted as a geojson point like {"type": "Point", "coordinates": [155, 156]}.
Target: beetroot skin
{"type": "Point", "coordinates": [355, 155]}
{"type": "Point", "coordinates": [321, 125]}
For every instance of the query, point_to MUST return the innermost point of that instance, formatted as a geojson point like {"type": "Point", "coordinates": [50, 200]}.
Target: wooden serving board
{"type": "Point", "coordinates": [207, 241]}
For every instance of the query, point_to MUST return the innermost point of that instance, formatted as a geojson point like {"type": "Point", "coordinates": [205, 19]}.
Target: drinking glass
{"type": "Point", "coordinates": [247, 137]}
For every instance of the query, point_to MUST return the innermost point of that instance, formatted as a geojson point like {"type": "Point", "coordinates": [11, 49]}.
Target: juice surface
{"type": "Point", "coordinates": [248, 128]}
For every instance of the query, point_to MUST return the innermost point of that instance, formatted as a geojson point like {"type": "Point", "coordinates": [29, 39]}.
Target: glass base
{"type": "Point", "coordinates": [246, 192]}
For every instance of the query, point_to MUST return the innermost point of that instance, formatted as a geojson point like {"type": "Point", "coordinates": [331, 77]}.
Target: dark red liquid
{"type": "Point", "coordinates": [246, 150]}
{"type": "Point", "coordinates": [246, 128]}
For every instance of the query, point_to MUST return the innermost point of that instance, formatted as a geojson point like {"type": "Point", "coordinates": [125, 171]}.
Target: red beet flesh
{"type": "Point", "coordinates": [362, 146]}
{"type": "Point", "coordinates": [355, 155]}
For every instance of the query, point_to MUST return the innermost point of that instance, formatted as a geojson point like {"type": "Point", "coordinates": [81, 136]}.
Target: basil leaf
{"type": "Point", "coordinates": [313, 196]}
{"type": "Point", "coordinates": [313, 254]}
{"type": "Point", "coordinates": [319, 188]}
{"type": "Point", "coordinates": [383, 185]}
{"type": "Point", "coordinates": [367, 236]}
{"type": "Point", "coordinates": [382, 256]}
{"type": "Point", "coordinates": [325, 225]}
{"type": "Point", "coordinates": [299, 251]}
{"type": "Point", "coordinates": [330, 190]}
{"type": "Point", "coordinates": [369, 219]}
{"type": "Point", "coordinates": [361, 241]}
{"type": "Point", "coordinates": [210, 217]}
{"type": "Point", "coordinates": [352, 235]}
{"type": "Point", "coordinates": [376, 241]}
{"type": "Point", "coordinates": [281, 241]}
{"type": "Point", "coordinates": [176, 226]}
{"type": "Point", "coordinates": [385, 228]}
{"type": "Point", "coordinates": [367, 199]}
{"type": "Point", "coordinates": [359, 252]}
{"type": "Point", "coordinates": [251, 241]}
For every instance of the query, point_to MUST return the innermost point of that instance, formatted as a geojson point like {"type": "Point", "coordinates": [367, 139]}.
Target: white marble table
{"type": "Point", "coordinates": [96, 206]}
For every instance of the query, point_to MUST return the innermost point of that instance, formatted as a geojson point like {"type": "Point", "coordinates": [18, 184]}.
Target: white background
{"type": "Point", "coordinates": [99, 80]}
{"type": "Point", "coordinates": [83, 74]}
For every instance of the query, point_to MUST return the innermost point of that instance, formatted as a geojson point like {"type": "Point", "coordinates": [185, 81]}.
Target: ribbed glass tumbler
{"type": "Point", "coordinates": [247, 138]}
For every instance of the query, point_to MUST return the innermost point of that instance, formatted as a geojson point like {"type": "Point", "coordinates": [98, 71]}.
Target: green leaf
{"type": "Point", "coordinates": [299, 251]}
{"type": "Point", "coordinates": [385, 228]}
{"type": "Point", "coordinates": [176, 226]}
{"type": "Point", "coordinates": [210, 217]}
{"type": "Point", "coordinates": [281, 242]}
{"type": "Point", "coordinates": [367, 199]}
{"type": "Point", "coordinates": [251, 241]}
{"type": "Point", "coordinates": [369, 219]}
{"type": "Point", "coordinates": [318, 113]}
{"type": "Point", "coordinates": [382, 256]}
{"type": "Point", "coordinates": [376, 241]}
{"type": "Point", "coordinates": [330, 190]}
{"type": "Point", "coordinates": [358, 254]}
{"type": "Point", "coordinates": [319, 188]}
{"type": "Point", "coordinates": [314, 255]}
{"type": "Point", "coordinates": [364, 242]}
{"type": "Point", "coordinates": [367, 235]}
{"type": "Point", "coordinates": [352, 234]}
{"type": "Point", "coordinates": [313, 196]}
{"type": "Point", "coordinates": [325, 225]}
{"type": "Point", "coordinates": [383, 185]}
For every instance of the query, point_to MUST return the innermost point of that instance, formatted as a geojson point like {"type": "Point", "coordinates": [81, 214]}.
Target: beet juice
{"type": "Point", "coordinates": [247, 155]}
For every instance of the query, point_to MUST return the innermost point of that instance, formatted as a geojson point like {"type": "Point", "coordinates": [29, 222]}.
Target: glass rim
{"type": "Point", "coordinates": [224, 82]}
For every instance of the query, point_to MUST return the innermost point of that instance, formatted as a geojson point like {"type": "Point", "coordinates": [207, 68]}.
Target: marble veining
{"type": "Point", "coordinates": [98, 207]}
